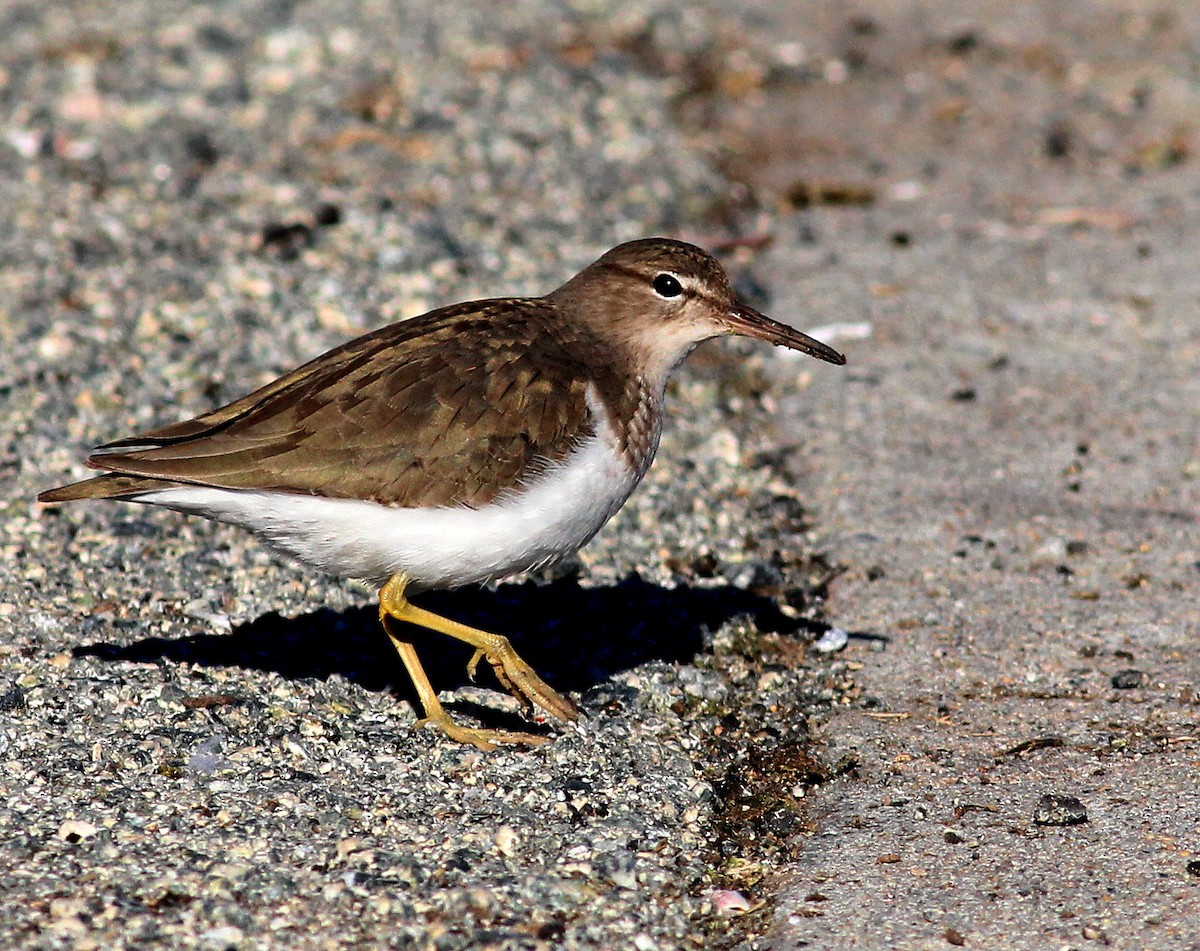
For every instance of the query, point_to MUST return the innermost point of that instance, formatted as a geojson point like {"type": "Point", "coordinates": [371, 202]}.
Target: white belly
{"type": "Point", "coordinates": [553, 515]}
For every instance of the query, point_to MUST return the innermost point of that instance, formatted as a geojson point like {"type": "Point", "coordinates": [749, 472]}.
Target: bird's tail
{"type": "Point", "coordinates": [109, 486]}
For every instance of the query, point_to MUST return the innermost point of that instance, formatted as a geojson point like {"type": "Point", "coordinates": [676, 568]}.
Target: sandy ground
{"type": "Point", "coordinates": [1007, 475]}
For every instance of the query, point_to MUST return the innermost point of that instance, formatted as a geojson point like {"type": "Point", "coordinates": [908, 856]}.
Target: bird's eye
{"type": "Point", "coordinates": [667, 285]}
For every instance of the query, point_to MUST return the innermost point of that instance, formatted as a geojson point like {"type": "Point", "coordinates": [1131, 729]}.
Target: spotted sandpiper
{"type": "Point", "coordinates": [472, 443]}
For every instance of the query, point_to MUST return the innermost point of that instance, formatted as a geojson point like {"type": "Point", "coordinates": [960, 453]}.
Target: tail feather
{"type": "Point", "coordinates": [109, 486]}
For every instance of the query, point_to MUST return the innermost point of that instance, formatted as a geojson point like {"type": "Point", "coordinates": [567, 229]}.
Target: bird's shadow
{"type": "Point", "coordinates": [575, 637]}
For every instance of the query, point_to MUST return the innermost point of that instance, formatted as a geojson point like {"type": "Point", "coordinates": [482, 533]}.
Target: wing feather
{"type": "Point", "coordinates": [453, 408]}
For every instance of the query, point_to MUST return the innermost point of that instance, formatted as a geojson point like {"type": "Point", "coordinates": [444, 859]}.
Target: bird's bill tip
{"type": "Point", "coordinates": [748, 322]}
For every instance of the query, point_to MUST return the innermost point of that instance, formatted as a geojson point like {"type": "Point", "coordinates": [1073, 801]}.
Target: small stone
{"type": "Point", "coordinates": [1052, 551]}
{"type": "Point", "coordinates": [206, 757]}
{"type": "Point", "coordinates": [346, 846]}
{"type": "Point", "coordinates": [327, 215]}
{"type": "Point", "coordinates": [728, 902]}
{"type": "Point", "coordinates": [723, 445]}
{"type": "Point", "coordinates": [832, 641]}
{"type": "Point", "coordinates": [76, 830]}
{"type": "Point", "coordinates": [54, 346]}
{"type": "Point", "coordinates": [1128, 679]}
{"type": "Point", "coordinates": [65, 908]}
{"type": "Point", "coordinates": [507, 840]}
{"type": "Point", "coordinates": [219, 939]}
{"type": "Point", "coordinates": [12, 699]}
{"type": "Point", "coordinates": [617, 868]}
{"type": "Point", "coordinates": [1055, 810]}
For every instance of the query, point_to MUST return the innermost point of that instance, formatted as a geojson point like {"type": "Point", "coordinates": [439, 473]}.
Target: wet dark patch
{"type": "Point", "coordinates": [761, 763]}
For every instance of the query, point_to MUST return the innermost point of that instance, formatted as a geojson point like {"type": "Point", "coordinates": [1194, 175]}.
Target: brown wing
{"type": "Point", "coordinates": [450, 408]}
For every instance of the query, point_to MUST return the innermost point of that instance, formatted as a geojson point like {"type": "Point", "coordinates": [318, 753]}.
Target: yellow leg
{"type": "Point", "coordinates": [513, 673]}
{"type": "Point", "coordinates": [436, 714]}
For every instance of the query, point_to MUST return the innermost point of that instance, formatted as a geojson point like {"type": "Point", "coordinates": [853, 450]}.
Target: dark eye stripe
{"type": "Point", "coordinates": [667, 285]}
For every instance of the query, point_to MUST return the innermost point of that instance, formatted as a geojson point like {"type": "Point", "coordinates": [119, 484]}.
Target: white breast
{"type": "Point", "coordinates": [551, 516]}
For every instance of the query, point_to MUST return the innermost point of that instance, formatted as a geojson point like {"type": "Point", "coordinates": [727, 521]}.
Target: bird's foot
{"type": "Point", "coordinates": [521, 680]}
{"type": "Point", "coordinates": [516, 676]}
{"type": "Point", "coordinates": [481, 739]}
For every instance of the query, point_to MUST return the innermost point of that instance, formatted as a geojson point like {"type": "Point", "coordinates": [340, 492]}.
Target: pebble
{"type": "Point", "coordinates": [1056, 810]}
{"type": "Point", "coordinates": [1128, 679]}
{"type": "Point", "coordinates": [831, 641]}
{"type": "Point", "coordinates": [729, 902]}
{"type": "Point", "coordinates": [76, 830]}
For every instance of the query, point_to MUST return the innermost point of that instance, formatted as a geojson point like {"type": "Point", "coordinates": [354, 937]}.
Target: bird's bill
{"type": "Point", "coordinates": [748, 322]}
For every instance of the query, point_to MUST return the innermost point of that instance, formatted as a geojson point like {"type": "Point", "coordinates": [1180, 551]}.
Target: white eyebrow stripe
{"type": "Point", "coordinates": [697, 288]}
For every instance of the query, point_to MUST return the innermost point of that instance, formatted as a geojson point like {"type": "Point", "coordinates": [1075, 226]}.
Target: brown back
{"type": "Point", "coordinates": [451, 408]}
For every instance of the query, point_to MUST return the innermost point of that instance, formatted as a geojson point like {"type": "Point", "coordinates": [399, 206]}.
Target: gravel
{"type": "Point", "coordinates": [204, 746]}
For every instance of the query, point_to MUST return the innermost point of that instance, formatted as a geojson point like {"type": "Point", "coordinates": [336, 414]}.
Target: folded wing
{"type": "Point", "coordinates": [447, 409]}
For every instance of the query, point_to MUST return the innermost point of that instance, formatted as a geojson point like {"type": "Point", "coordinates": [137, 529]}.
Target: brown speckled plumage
{"type": "Point", "coordinates": [451, 408]}
{"type": "Point", "coordinates": [456, 407]}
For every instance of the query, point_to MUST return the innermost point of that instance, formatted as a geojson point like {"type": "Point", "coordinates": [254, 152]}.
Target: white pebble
{"type": "Point", "coordinates": [833, 640]}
